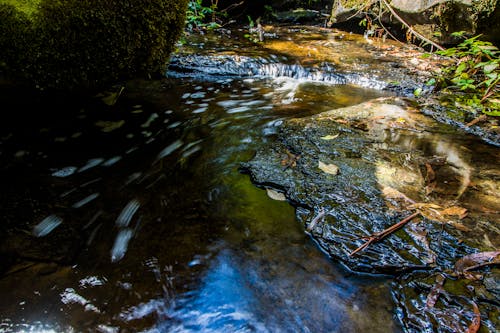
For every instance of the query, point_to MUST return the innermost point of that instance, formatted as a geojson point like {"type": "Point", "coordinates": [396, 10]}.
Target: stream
{"type": "Point", "coordinates": [129, 212]}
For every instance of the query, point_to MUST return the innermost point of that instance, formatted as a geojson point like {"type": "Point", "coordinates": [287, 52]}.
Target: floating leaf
{"type": "Point", "coordinates": [275, 195]}
{"type": "Point", "coordinates": [331, 169]}
{"type": "Point", "coordinates": [330, 137]}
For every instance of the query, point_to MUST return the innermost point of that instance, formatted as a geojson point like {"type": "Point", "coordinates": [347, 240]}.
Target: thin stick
{"type": "Point", "coordinates": [382, 234]}
{"type": "Point", "coordinates": [418, 35]}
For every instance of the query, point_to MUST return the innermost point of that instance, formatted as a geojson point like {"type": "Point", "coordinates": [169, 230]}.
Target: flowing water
{"type": "Point", "coordinates": [145, 222]}
{"type": "Point", "coordinates": [136, 217]}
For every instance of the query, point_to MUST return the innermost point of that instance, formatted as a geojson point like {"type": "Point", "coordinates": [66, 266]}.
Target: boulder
{"type": "Point", "coordinates": [83, 44]}
{"type": "Point", "coordinates": [435, 19]}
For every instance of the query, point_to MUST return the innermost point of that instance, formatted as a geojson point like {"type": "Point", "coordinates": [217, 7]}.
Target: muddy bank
{"type": "Point", "coordinates": [355, 171]}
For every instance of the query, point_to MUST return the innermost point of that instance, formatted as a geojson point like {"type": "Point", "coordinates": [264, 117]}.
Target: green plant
{"type": "Point", "coordinates": [475, 72]}
{"type": "Point", "coordinates": [199, 17]}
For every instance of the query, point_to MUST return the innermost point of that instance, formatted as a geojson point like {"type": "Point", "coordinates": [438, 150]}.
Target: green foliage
{"type": "Point", "coordinates": [199, 17]}
{"type": "Point", "coordinates": [475, 72]}
{"type": "Point", "coordinates": [75, 44]}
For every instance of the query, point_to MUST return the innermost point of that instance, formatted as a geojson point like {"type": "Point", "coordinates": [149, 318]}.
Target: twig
{"type": "Point", "coordinates": [230, 7]}
{"type": "Point", "coordinates": [410, 29]}
{"type": "Point", "coordinates": [373, 238]}
{"type": "Point", "coordinates": [476, 120]}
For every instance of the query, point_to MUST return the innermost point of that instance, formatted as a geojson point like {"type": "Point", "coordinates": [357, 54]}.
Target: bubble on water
{"type": "Point", "coordinates": [239, 109]}
{"type": "Point", "coordinates": [65, 172]}
{"type": "Point", "coordinates": [47, 225]}
{"type": "Point", "coordinates": [85, 200]}
{"type": "Point", "coordinates": [121, 244]}
{"type": "Point", "coordinates": [112, 161]}
{"type": "Point", "coordinates": [91, 164]}
{"type": "Point", "coordinates": [169, 149]}
{"type": "Point", "coordinates": [200, 110]}
{"type": "Point", "coordinates": [127, 213]}
{"type": "Point", "coordinates": [92, 281]}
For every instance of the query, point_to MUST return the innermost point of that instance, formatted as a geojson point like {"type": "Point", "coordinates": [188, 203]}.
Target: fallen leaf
{"type": "Point", "coordinates": [275, 195]}
{"type": "Point", "coordinates": [476, 260]}
{"type": "Point", "coordinates": [330, 137]}
{"type": "Point", "coordinates": [455, 211]}
{"type": "Point", "coordinates": [392, 193]}
{"type": "Point", "coordinates": [435, 291]}
{"type": "Point", "coordinates": [420, 205]}
{"type": "Point", "coordinates": [331, 169]}
{"type": "Point", "coordinates": [476, 321]}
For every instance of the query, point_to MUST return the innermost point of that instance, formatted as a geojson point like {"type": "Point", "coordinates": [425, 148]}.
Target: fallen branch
{"type": "Point", "coordinates": [373, 238]}
{"type": "Point", "coordinates": [477, 120]}
{"type": "Point", "coordinates": [410, 29]}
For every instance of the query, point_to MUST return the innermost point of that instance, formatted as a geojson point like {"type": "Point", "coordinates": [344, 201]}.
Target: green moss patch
{"type": "Point", "coordinates": [75, 44]}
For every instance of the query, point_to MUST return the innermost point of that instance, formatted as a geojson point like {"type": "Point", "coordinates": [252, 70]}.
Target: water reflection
{"type": "Point", "coordinates": [162, 233]}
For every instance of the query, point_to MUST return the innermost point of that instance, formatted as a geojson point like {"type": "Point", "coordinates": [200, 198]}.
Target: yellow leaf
{"type": "Point", "coordinates": [330, 137]}
{"type": "Point", "coordinates": [331, 169]}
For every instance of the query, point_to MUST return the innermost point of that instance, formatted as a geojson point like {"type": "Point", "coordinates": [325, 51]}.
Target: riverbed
{"type": "Point", "coordinates": [129, 211]}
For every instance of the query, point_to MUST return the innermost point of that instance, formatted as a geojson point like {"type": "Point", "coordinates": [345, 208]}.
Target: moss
{"type": "Point", "coordinates": [87, 43]}
{"type": "Point", "coordinates": [27, 7]}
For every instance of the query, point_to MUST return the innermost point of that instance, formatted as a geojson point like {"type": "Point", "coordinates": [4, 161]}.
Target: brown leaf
{"type": "Point", "coordinates": [420, 205]}
{"type": "Point", "coordinates": [392, 193]}
{"type": "Point", "coordinates": [476, 260]}
{"type": "Point", "coordinates": [455, 211]}
{"type": "Point", "coordinates": [459, 226]}
{"type": "Point", "coordinates": [476, 321]}
{"type": "Point", "coordinates": [435, 291]}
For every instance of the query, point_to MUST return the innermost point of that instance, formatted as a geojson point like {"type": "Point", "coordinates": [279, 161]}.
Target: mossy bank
{"type": "Point", "coordinates": [83, 44]}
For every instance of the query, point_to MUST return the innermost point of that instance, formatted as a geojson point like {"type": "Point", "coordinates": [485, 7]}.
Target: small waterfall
{"type": "Point", "coordinates": [207, 66]}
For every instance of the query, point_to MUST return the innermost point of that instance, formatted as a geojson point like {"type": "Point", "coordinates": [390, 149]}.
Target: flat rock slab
{"type": "Point", "coordinates": [358, 170]}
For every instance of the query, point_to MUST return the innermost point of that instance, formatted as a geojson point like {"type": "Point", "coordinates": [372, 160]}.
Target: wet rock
{"type": "Point", "coordinates": [454, 308]}
{"type": "Point", "coordinates": [393, 160]}
{"type": "Point", "coordinates": [489, 131]}
{"type": "Point", "coordinates": [377, 145]}
{"type": "Point", "coordinates": [436, 19]}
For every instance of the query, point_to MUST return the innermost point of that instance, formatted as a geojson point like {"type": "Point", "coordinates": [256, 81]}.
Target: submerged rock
{"type": "Point", "coordinates": [452, 308]}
